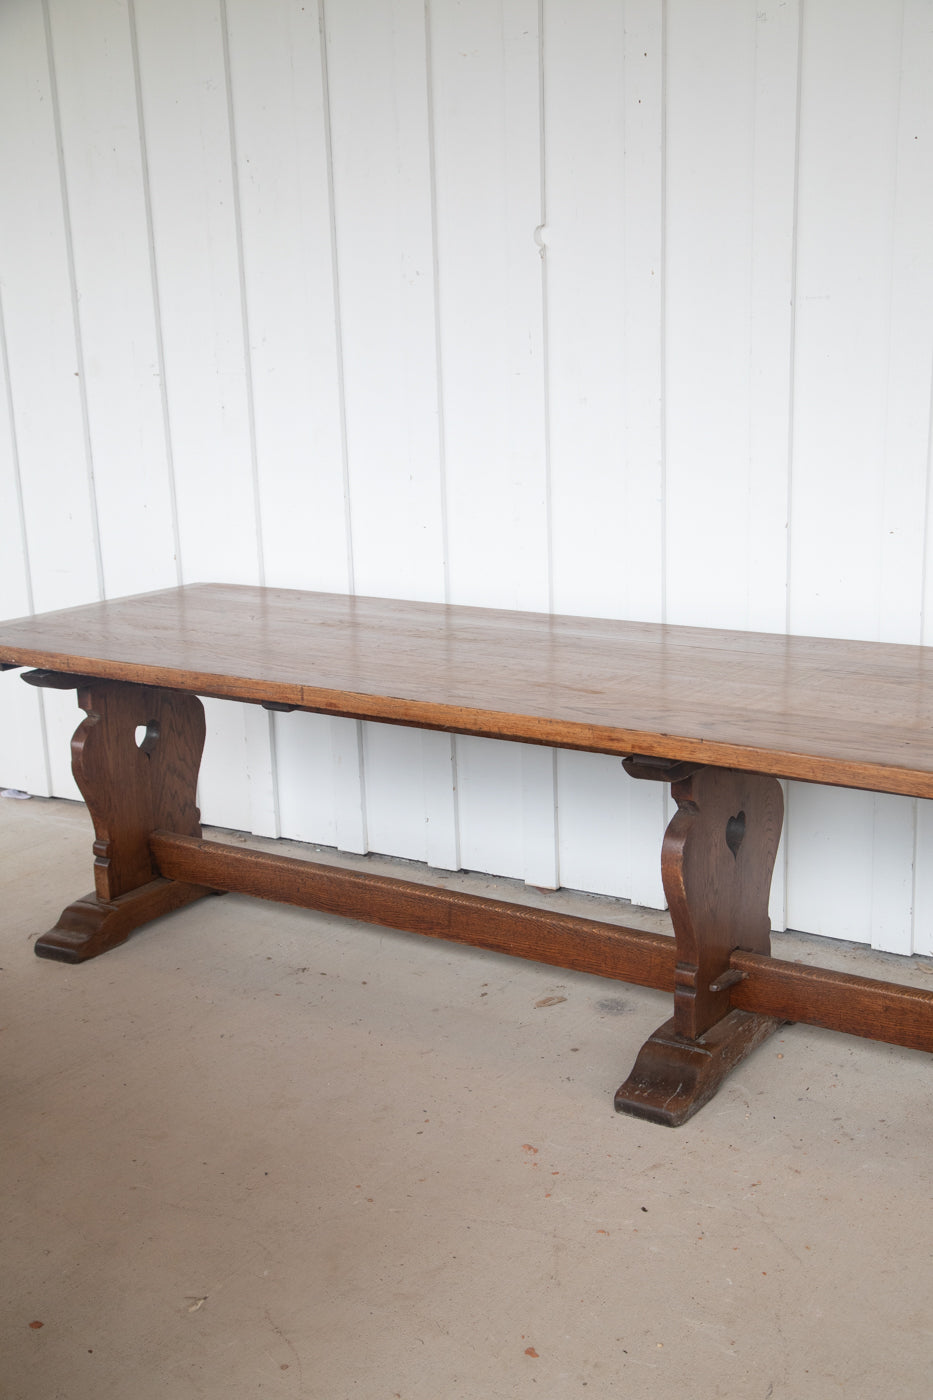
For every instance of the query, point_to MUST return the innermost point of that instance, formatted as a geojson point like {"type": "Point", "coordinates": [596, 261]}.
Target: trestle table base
{"type": "Point", "coordinates": [136, 757]}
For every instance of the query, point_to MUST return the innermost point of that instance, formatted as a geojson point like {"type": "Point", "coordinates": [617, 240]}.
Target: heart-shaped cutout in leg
{"type": "Point", "coordinates": [735, 832]}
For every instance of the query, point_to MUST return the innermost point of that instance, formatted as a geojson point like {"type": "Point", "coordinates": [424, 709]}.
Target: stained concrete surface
{"type": "Point", "coordinates": [261, 1152]}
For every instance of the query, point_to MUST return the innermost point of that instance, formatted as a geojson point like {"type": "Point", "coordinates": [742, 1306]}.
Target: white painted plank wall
{"type": "Point", "coordinates": [857, 497]}
{"type": "Point", "coordinates": [603, 258]}
{"type": "Point", "coordinates": [602, 306]}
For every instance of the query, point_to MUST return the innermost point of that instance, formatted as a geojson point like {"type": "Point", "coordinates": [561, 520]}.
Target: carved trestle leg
{"type": "Point", "coordinates": [716, 863]}
{"type": "Point", "coordinates": [132, 786]}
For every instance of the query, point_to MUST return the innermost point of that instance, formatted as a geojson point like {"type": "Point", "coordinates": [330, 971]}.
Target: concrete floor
{"type": "Point", "coordinates": [261, 1152]}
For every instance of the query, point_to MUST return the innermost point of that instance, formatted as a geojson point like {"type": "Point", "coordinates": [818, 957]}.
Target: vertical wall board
{"type": "Point", "coordinates": [602, 246]}
{"type": "Point", "coordinates": [539, 817]}
{"type": "Point", "coordinates": [643, 323]}
{"type": "Point", "coordinates": [584, 253]}
{"type": "Point", "coordinates": [485, 82]}
{"type": "Point", "coordinates": [771, 318]}
{"type": "Point", "coordinates": [23, 758]}
{"type": "Point", "coordinates": [377, 83]}
{"type": "Point", "coordinates": [923, 881]}
{"type": "Point", "coordinates": [395, 815]}
{"type": "Point", "coordinates": [261, 771]}
{"type": "Point", "coordinates": [827, 892]}
{"type": "Point", "coordinates": [611, 829]}
{"type": "Point", "coordinates": [61, 718]}
{"type": "Point", "coordinates": [22, 745]}
{"type": "Point", "coordinates": [283, 186]}
{"type": "Point", "coordinates": [489, 205]}
{"type": "Point", "coordinates": [223, 786]}
{"type": "Point", "coordinates": [644, 99]}
{"type": "Point", "coordinates": [848, 145]}
{"type": "Point", "coordinates": [441, 783]}
{"type": "Point", "coordinates": [97, 98]}
{"type": "Point", "coordinates": [410, 794]}
{"type": "Point", "coordinates": [376, 65]}
{"type": "Point", "coordinates": [281, 152]}
{"type": "Point", "coordinates": [44, 391]}
{"type": "Point", "coordinates": [15, 592]}
{"type": "Point", "coordinates": [39, 323]}
{"type": "Point", "coordinates": [850, 866]}
{"type": "Point", "coordinates": [196, 243]}
{"type": "Point", "coordinates": [890, 917]}
{"type": "Point", "coordinates": [236, 786]}
{"type": "Point", "coordinates": [907, 391]}
{"type": "Point", "coordinates": [307, 811]}
{"type": "Point", "coordinates": [777, 901]}
{"type": "Point", "coordinates": [603, 252]}
{"type": "Point", "coordinates": [906, 575]}
{"type": "Point", "coordinates": [491, 804]}
{"type": "Point", "coordinates": [712, 483]}
{"type": "Point", "coordinates": [647, 822]}
{"type": "Point", "coordinates": [346, 745]}
{"type": "Point", "coordinates": [23, 762]}
{"type": "Point", "coordinates": [184, 104]}
{"type": "Point", "coordinates": [596, 848]}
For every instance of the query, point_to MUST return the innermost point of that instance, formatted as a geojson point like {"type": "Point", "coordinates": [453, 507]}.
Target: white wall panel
{"type": "Point", "coordinates": [607, 841]}
{"type": "Point", "coordinates": [607, 307]}
{"type": "Point", "coordinates": [395, 815]}
{"type": "Point", "coordinates": [288, 257]}
{"type": "Point", "coordinates": [844, 502]}
{"type": "Point", "coordinates": [39, 320]}
{"type": "Point", "coordinates": [439, 775]}
{"type": "Point", "coordinates": [120, 366]}
{"type": "Point", "coordinates": [46, 394]}
{"type": "Point", "coordinates": [346, 748]}
{"type": "Point", "coordinates": [771, 294]}
{"type": "Point", "coordinates": [184, 92]}
{"type": "Point", "coordinates": [23, 762]}
{"type": "Point", "coordinates": [486, 85]}
{"type": "Point", "coordinates": [492, 807]}
{"type": "Point", "coordinates": [923, 881]}
{"type": "Point", "coordinates": [376, 64]}
{"type": "Point", "coordinates": [307, 805]}
{"type": "Point", "coordinates": [289, 300]}
{"type": "Point", "coordinates": [848, 144]}
{"type": "Point", "coordinates": [379, 120]}
{"type": "Point", "coordinates": [726, 520]}
{"type": "Point", "coordinates": [906, 576]}
{"type": "Point", "coordinates": [487, 124]}
{"type": "Point", "coordinates": [603, 254]}
{"type": "Point", "coordinates": [223, 786]}
{"type": "Point", "coordinates": [905, 464]}
{"type": "Point", "coordinates": [184, 101]}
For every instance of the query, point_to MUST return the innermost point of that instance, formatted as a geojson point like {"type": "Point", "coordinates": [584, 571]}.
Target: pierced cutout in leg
{"type": "Point", "coordinates": [735, 833]}
{"type": "Point", "coordinates": [147, 736]}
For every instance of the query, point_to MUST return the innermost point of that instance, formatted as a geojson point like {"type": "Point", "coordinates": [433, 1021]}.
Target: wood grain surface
{"type": "Point", "coordinates": [853, 714]}
{"type": "Point", "coordinates": [717, 859]}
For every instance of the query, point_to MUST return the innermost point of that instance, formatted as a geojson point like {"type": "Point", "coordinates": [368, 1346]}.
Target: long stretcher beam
{"type": "Point", "coordinates": [816, 996]}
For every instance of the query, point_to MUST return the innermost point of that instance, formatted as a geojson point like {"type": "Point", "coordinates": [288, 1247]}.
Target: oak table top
{"type": "Point", "coordinates": [852, 714]}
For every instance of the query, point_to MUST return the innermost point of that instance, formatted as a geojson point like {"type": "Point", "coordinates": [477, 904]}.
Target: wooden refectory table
{"type": "Point", "coordinates": [720, 715]}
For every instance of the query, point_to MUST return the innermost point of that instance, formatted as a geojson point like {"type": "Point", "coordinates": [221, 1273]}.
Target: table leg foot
{"type": "Point", "coordinates": [91, 926]}
{"type": "Point", "coordinates": [674, 1076]}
